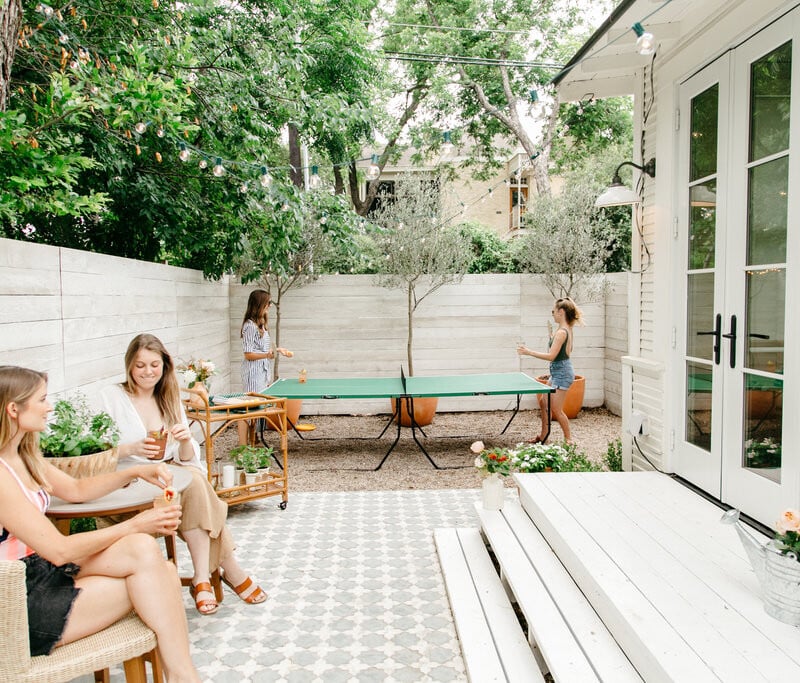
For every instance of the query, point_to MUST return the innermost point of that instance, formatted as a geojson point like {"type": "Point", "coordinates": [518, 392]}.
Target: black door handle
{"type": "Point", "coordinates": [732, 336]}
{"type": "Point", "coordinates": [716, 332]}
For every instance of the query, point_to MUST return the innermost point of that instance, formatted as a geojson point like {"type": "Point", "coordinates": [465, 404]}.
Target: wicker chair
{"type": "Point", "coordinates": [128, 641]}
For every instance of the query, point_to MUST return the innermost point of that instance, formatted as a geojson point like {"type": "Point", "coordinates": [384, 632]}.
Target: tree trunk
{"type": "Point", "coordinates": [410, 341]}
{"type": "Point", "coordinates": [276, 342]}
{"type": "Point", "coordinates": [296, 173]}
{"type": "Point", "coordinates": [338, 181]}
{"type": "Point", "coordinates": [10, 21]}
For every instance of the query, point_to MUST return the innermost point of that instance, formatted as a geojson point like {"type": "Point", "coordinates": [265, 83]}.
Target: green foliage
{"type": "Point", "coordinates": [490, 253]}
{"type": "Point", "coordinates": [578, 461]}
{"type": "Point", "coordinates": [539, 457]}
{"type": "Point", "coordinates": [76, 430]}
{"type": "Point", "coordinates": [251, 458]}
{"type": "Point", "coordinates": [587, 129]}
{"type": "Point", "coordinates": [494, 461]}
{"type": "Point", "coordinates": [613, 456]}
{"type": "Point", "coordinates": [78, 525]}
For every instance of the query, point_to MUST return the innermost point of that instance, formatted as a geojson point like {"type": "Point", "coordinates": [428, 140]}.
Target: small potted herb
{"type": "Point", "coordinates": [80, 442]}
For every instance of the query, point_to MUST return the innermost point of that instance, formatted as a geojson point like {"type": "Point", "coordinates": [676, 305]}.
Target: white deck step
{"type": "Point", "coordinates": [670, 583]}
{"type": "Point", "coordinates": [571, 638]}
{"type": "Point", "coordinates": [492, 641]}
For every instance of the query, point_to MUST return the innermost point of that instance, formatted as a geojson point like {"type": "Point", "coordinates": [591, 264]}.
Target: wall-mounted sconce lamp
{"type": "Point", "coordinates": [618, 194]}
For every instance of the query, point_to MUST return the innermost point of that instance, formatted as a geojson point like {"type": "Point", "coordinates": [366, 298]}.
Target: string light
{"type": "Point", "coordinates": [534, 96]}
{"type": "Point", "coordinates": [140, 127]}
{"type": "Point", "coordinates": [265, 179]}
{"type": "Point", "coordinates": [219, 169]}
{"type": "Point", "coordinates": [202, 165]}
{"type": "Point", "coordinates": [644, 40]}
{"type": "Point", "coordinates": [184, 154]}
{"type": "Point", "coordinates": [374, 170]}
{"type": "Point", "coordinates": [447, 144]}
{"type": "Point", "coordinates": [314, 181]}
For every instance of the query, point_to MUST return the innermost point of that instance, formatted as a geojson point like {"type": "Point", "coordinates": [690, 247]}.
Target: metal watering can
{"type": "Point", "coordinates": [777, 573]}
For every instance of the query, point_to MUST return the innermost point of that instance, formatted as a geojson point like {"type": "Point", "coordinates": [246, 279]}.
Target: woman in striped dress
{"type": "Point", "coordinates": [257, 349]}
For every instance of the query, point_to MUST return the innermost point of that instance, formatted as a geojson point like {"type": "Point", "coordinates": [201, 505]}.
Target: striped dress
{"type": "Point", "coordinates": [11, 548]}
{"type": "Point", "coordinates": [256, 374]}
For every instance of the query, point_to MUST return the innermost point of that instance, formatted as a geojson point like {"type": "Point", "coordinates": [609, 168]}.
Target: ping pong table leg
{"type": "Point", "coordinates": [513, 415]}
{"type": "Point", "coordinates": [395, 416]}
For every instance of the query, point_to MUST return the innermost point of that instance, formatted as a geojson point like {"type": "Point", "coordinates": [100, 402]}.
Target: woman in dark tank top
{"type": "Point", "coordinates": [562, 374]}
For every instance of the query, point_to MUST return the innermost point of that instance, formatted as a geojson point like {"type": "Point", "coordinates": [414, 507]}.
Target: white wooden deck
{"type": "Point", "coordinates": [671, 584]}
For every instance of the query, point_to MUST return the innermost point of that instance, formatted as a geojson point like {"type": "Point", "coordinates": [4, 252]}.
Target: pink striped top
{"type": "Point", "coordinates": [11, 548]}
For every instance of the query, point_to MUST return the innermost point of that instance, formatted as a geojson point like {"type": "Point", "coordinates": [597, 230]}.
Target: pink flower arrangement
{"type": "Point", "coordinates": [788, 528]}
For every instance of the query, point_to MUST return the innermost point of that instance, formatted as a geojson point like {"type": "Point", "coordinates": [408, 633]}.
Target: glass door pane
{"type": "Point", "coordinates": [765, 268]}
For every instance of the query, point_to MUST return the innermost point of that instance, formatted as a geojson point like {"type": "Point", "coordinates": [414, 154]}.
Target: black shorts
{"type": "Point", "coordinates": [51, 593]}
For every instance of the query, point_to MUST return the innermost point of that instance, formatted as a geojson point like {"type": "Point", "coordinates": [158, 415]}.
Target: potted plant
{"type": "Point", "coordinates": [568, 241]}
{"type": "Point", "coordinates": [264, 456]}
{"type": "Point", "coordinates": [421, 256]}
{"type": "Point", "coordinates": [79, 441]}
{"type": "Point", "coordinates": [253, 460]}
{"type": "Point", "coordinates": [494, 463]}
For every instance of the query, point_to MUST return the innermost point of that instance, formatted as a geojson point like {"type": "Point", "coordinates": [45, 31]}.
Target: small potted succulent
{"type": "Point", "coordinates": [80, 442]}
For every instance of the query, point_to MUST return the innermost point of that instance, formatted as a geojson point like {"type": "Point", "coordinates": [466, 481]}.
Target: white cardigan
{"type": "Point", "coordinates": [117, 403]}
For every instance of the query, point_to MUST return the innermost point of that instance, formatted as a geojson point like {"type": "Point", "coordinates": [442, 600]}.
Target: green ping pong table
{"type": "Point", "coordinates": [407, 389]}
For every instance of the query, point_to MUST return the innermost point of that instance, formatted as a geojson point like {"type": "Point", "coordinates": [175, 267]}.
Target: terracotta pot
{"type": "Point", "coordinates": [424, 411]}
{"type": "Point", "coordinates": [293, 407]}
{"type": "Point", "coordinates": [574, 400]}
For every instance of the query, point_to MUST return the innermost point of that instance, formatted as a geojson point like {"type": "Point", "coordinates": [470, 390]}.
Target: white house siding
{"type": "Point", "coordinates": [616, 339]}
{"type": "Point", "coordinates": [73, 313]}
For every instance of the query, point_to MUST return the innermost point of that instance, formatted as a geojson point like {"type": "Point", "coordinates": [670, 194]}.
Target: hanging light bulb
{"type": "Point", "coordinates": [374, 170]}
{"type": "Point", "coordinates": [203, 164]}
{"type": "Point", "coordinates": [447, 143]}
{"type": "Point", "coordinates": [266, 178]}
{"type": "Point", "coordinates": [160, 132]}
{"type": "Point", "coordinates": [314, 181]}
{"type": "Point", "coordinates": [184, 154]}
{"type": "Point", "coordinates": [219, 169]}
{"type": "Point", "coordinates": [645, 42]}
{"type": "Point", "coordinates": [534, 95]}
{"type": "Point", "coordinates": [63, 38]}
{"type": "Point", "coordinates": [243, 188]}
{"type": "Point", "coordinates": [140, 127]}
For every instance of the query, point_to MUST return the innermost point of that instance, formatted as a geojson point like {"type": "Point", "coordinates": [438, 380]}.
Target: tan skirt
{"type": "Point", "coordinates": [201, 508]}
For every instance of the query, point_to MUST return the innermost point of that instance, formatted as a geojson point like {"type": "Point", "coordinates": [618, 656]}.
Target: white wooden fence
{"type": "Point", "coordinates": [72, 313]}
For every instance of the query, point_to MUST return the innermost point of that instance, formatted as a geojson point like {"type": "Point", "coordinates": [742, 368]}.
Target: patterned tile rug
{"type": "Point", "coordinates": [356, 593]}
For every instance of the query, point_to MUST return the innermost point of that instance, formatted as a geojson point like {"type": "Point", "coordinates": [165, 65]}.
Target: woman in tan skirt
{"type": "Point", "coordinates": [147, 401]}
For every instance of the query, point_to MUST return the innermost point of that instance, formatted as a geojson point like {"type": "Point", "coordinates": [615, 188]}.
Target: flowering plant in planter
{"type": "Point", "coordinates": [196, 370]}
{"type": "Point", "coordinates": [538, 457]}
{"type": "Point", "coordinates": [788, 533]}
{"type": "Point", "coordinates": [765, 452]}
{"type": "Point", "coordinates": [491, 460]}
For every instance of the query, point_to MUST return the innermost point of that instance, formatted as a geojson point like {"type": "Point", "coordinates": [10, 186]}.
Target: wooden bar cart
{"type": "Point", "coordinates": [215, 416]}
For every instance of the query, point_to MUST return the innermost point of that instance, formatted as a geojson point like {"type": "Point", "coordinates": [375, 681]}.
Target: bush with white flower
{"type": "Point", "coordinates": [538, 457]}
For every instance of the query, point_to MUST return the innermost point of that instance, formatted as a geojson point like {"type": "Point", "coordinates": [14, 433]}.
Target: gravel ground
{"type": "Point", "coordinates": [340, 454]}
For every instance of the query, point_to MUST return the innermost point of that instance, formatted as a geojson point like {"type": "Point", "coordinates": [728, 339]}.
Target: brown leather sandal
{"type": "Point", "coordinates": [254, 598]}
{"type": "Point", "coordinates": [205, 607]}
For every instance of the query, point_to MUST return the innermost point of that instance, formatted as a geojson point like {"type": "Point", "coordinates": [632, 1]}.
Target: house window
{"type": "Point", "coordinates": [383, 197]}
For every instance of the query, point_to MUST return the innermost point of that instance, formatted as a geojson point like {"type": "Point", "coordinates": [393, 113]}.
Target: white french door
{"type": "Point", "coordinates": [737, 206]}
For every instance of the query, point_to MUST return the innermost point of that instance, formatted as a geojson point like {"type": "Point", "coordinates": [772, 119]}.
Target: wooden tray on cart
{"type": "Point", "coordinates": [216, 413]}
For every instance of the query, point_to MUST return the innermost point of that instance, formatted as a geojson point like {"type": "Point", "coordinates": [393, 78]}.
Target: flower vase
{"type": "Point", "coordinates": [493, 492]}
{"type": "Point", "coordinates": [781, 585]}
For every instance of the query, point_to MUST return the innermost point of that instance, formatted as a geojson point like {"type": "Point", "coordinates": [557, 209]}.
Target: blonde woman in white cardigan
{"type": "Point", "coordinates": [149, 400]}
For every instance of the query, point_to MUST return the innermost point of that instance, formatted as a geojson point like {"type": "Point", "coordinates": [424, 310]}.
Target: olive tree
{"type": "Point", "coordinates": [420, 254]}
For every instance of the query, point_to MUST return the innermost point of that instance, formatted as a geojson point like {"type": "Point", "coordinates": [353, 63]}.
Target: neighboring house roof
{"type": "Point", "coordinates": [605, 64]}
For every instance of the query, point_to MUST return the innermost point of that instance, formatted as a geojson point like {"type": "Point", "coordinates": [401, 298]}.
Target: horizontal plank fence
{"type": "Point", "coordinates": [73, 313]}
